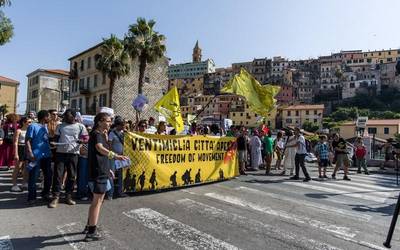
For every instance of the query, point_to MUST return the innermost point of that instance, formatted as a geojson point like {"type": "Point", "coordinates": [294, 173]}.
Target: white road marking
{"type": "Point", "coordinates": [320, 207]}
{"type": "Point", "coordinates": [335, 191]}
{"type": "Point", "coordinates": [8, 199]}
{"type": "Point", "coordinates": [376, 187]}
{"type": "Point", "coordinates": [374, 182]}
{"type": "Point", "coordinates": [291, 217]}
{"type": "Point", "coordinates": [5, 243]}
{"type": "Point", "coordinates": [6, 184]}
{"type": "Point", "coordinates": [182, 234]}
{"type": "Point", "coordinates": [71, 234]}
{"type": "Point", "coordinates": [376, 177]}
{"type": "Point", "coordinates": [348, 186]}
{"type": "Point", "coordinates": [362, 243]}
{"type": "Point", "coordinates": [252, 225]}
{"type": "Point", "coordinates": [67, 229]}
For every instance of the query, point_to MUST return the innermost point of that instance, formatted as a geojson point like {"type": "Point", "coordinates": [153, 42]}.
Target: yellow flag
{"type": "Point", "coordinates": [259, 97]}
{"type": "Point", "coordinates": [170, 108]}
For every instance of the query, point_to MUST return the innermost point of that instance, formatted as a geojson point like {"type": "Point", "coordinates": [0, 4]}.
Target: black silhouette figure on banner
{"type": "Point", "coordinates": [186, 178]}
{"type": "Point", "coordinates": [141, 180]}
{"type": "Point", "coordinates": [190, 177]}
{"type": "Point", "coordinates": [221, 174]}
{"type": "Point", "coordinates": [197, 179]}
{"type": "Point", "coordinates": [132, 185]}
{"type": "Point", "coordinates": [153, 180]}
{"type": "Point", "coordinates": [173, 179]}
{"type": "Point", "coordinates": [127, 180]}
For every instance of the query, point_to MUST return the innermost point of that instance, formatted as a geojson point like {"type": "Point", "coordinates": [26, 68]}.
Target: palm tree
{"type": "Point", "coordinates": [5, 2]}
{"type": "Point", "coordinates": [6, 27]}
{"type": "Point", "coordinates": [144, 43]}
{"type": "Point", "coordinates": [114, 62]}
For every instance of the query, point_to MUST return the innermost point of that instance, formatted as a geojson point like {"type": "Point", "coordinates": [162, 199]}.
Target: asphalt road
{"type": "Point", "coordinates": [249, 212]}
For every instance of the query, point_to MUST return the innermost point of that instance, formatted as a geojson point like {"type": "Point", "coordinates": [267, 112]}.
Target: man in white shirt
{"type": "Point", "coordinates": [300, 156]}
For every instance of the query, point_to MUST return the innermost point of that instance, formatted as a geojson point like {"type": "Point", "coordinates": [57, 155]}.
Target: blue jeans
{"type": "Point", "coordinates": [83, 177]}
{"type": "Point", "coordinates": [45, 165]}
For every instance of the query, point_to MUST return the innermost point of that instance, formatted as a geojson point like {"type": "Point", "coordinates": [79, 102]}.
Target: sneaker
{"type": "Point", "coordinates": [54, 203]}
{"type": "Point", "coordinates": [334, 177]}
{"type": "Point", "coordinates": [367, 173]}
{"type": "Point", "coordinates": [358, 171]}
{"type": "Point", "coordinates": [346, 178]}
{"type": "Point", "coordinates": [85, 198]}
{"type": "Point", "coordinates": [307, 180]}
{"type": "Point", "coordinates": [294, 177]}
{"type": "Point", "coordinates": [93, 237]}
{"type": "Point", "coordinates": [69, 200]}
{"type": "Point", "coordinates": [326, 177]}
{"type": "Point", "coordinates": [15, 188]}
{"type": "Point", "coordinates": [25, 186]}
{"type": "Point", "coordinates": [320, 177]}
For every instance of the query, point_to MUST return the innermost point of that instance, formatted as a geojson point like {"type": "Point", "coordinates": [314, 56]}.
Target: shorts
{"type": "Point", "coordinates": [342, 160]}
{"type": "Point", "coordinates": [242, 155]}
{"type": "Point", "coordinates": [323, 163]}
{"type": "Point", "coordinates": [388, 156]}
{"type": "Point", "coordinates": [100, 186]}
{"type": "Point", "coordinates": [279, 154]}
{"type": "Point", "coordinates": [21, 152]}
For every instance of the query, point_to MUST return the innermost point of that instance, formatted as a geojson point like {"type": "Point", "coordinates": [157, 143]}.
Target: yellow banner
{"type": "Point", "coordinates": [167, 161]}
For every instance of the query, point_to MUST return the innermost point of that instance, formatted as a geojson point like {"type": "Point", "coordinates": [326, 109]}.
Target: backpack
{"type": "Point", "coordinates": [361, 152]}
{"type": "Point", "coordinates": [9, 132]}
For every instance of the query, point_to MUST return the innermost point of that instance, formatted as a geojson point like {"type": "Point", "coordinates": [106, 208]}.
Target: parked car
{"type": "Point", "coordinates": [310, 158]}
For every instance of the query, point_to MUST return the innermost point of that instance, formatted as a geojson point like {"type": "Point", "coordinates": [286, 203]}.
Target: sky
{"type": "Point", "coordinates": [48, 32]}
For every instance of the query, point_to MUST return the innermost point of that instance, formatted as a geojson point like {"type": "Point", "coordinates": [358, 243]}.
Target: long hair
{"type": "Point", "coordinates": [99, 118]}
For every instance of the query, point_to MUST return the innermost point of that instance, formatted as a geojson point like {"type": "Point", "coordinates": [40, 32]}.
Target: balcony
{"type": "Point", "coordinates": [84, 90]}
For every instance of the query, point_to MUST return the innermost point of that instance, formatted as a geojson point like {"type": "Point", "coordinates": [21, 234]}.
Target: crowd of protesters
{"type": "Point", "coordinates": [67, 155]}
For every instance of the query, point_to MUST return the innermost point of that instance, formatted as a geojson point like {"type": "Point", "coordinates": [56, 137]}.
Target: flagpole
{"type": "Point", "coordinates": [204, 108]}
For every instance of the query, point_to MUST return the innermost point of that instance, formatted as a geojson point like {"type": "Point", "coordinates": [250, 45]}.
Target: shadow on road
{"type": "Point", "coordinates": [39, 242]}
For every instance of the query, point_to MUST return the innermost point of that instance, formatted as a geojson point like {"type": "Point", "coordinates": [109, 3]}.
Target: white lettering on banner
{"type": "Point", "coordinates": [5, 243]}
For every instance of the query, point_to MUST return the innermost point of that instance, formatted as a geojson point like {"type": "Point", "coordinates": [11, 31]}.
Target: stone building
{"type": "Point", "coordinates": [9, 93]}
{"type": "Point", "coordinates": [90, 88]}
{"type": "Point", "coordinates": [47, 89]}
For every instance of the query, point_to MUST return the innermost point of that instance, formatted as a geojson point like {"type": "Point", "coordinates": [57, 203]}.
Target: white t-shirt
{"type": "Point", "coordinates": [301, 148]}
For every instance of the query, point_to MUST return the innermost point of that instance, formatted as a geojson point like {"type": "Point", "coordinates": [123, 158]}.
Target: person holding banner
{"type": "Point", "coordinates": [99, 157]}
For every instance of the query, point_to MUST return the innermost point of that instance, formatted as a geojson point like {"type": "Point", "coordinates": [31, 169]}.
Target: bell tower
{"type": "Point", "coordinates": [197, 53]}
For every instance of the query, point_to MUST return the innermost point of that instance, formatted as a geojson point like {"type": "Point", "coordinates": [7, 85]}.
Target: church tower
{"type": "Point", "coordinates": [197, 53]}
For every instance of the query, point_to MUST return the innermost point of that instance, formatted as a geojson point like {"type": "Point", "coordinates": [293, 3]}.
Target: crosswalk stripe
{"type": "Point", "coordinates": [5, 243]}
{"type": "Point", "coordinates": [182, 234]}
{"type": "Point", "coordinates": [318, 206]}
{"type": "Point", "coordinates": [292, 217]}
{"type": "Point", "coordinates": [350, 186]}
{"type": "Point", "coordinates": [374, 187]}
{"type": "Point", "coordinates": [335, 191]}
{"type": "Point", "coordinates": [376, 177]}
{"type": "Point", "coordinates": [374, 182]}
{"type": "Point", "coordinates": [252, 225]}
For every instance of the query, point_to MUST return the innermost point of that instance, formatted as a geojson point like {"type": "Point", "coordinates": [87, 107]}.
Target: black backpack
{"type": "Point", "coordinates": [9, 135]}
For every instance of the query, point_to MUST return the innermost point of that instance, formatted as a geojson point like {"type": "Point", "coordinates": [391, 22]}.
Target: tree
{"type": "Point", "coordinates": [144, 43]}
{"type": "Point", "coordinates": [6, 27]}
{"type": "Point", "coordinates": [113, 62]}
{"type": "Point", "coordinates": [3, 111]}
{"type": "Point", "coordinates": [310, 127]}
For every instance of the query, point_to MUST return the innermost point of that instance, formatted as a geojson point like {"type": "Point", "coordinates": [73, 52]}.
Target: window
{"type": "Point", "coordinates": [82, 65]}
{"type": "Point", "coordinates": [88, 82]}
{"type": "Point", "coordinates": [389, 59]}
{"type": "Point", "coordinates": [89, 62]}
{"type": "Point", "coordinates": [103, 100]}
{"type": "Point", "coordinates": [80, 104]}
{"type": "Point", "coordinates": [307, 112]}
{"type": "Point", "coordinates": [95, 81]}
{"type": "Point", "coordinates": [352, 85]}
{"type": "Point", "coordinates": [73, 104]}
{"type": "Point", "coordinates": [297, 113]}
{"type": "Point", "coordinates": [289, 113]}
{"type": "Point", "coordinates": [35, 93]}
{"type": "Point", "coordinates": [369, 60]}
{"type": "Point", "coordinates": [315, 120]}
{"type": "Point", "coordinates": [386, 131]}
{"type": "Point", "coordinates": [81, 83]}
{"type": "Point", "coordinates": [233, 114]}
{"type": "Point", "coordinates": [241, 114]}
{"type": "Point", "coordinates": [371, 130]}
{"type": "Point", "coordinates": [315, 112]}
